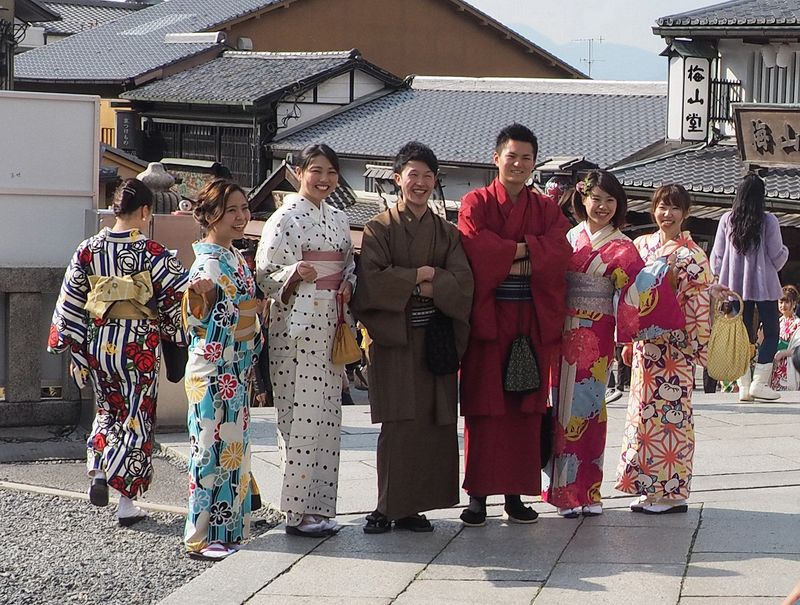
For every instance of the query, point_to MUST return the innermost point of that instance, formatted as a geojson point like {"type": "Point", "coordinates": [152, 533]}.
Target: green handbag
{"type": "Point", "coordinates": [522, 371]}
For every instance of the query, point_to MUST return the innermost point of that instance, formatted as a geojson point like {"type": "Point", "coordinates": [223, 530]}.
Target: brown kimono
{"type": "Point", "coordinates": [418, 444]}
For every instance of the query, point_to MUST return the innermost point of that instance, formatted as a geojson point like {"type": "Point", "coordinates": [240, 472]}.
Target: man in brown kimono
{"type": "Point", "coordinates": [414, 283]}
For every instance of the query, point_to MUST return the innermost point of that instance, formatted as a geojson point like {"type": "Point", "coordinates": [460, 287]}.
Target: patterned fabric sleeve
{"type": "Point", "coordinates": [69, 324]}
{"type": "Point", "coordinates": [278, 253]}
{"type": "Point", "coordinates": [214, 326]}
{"type": "Point", "coordinates": [624, 279]}
{"type": "Point", "coordinates": [170, 279]}
{"type": "Point", "coordinates": [694, 277]}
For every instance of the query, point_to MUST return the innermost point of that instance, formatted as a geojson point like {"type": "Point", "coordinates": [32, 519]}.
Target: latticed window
{"type": "Point", "coordinates": [7, 44]}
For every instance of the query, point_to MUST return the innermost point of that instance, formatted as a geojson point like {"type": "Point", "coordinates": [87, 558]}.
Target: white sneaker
{"type": "Point", "coordinates": [760, 389]}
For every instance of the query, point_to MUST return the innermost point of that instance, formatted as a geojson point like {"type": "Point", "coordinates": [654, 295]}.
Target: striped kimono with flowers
{"type": "Point", "coordinates": [221, 354]}
{"type": "Point", "coordinates": [120, 356]}
{"type": "Point", "coordinates": [605, 267]}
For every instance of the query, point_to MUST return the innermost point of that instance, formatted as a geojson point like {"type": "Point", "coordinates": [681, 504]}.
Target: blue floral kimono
{"type": "Point", "coordinates": [221, 354]}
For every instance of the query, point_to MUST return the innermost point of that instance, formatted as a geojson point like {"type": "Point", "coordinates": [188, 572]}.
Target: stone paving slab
{"type": "Point", "coordinates": [741, 574]}
{"type": "Point", "coordinates": [744, 501]}
{"type": "Point", "coordinates": [433, 592]}
{"type": "Point", "coordinates": [611, 584]}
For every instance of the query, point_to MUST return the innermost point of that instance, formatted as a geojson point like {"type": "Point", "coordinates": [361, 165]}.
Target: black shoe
{"type": "Point", "coordinates": [475, 514]}
{"type": "Point", "coordinates": [129, 521]}
{"type": "Point", "coordinates": [255, 501]}
{"type": "Point", "coordinates": [98, 492]}
{"type": "Point", "coordinates": [517, 512]}
{"type": "Point", "coordinates": [417, 523]}
{"type": "Point", "coordinates": [347, 399]}
{"type": "Point", "coordinates": [296, 531]}
{"type": "Point", "coordinates": [377, 523]}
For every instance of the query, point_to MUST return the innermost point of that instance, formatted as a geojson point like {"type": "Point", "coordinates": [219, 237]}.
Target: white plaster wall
{"type": "Point", "coordinates": [675, 99]}
{"type": "Point", "coordinates": [305, 111]}
{"type": "Point", "coordinates": [364, 84]}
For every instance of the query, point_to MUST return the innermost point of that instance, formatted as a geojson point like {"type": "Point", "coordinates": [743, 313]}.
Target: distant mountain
{"type": "Point", "coordinates": [614, 61]}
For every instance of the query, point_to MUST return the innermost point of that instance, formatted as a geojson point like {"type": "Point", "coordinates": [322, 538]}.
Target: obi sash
{"type": "Point", "coordinates": [329, 265]}
{"type": "Point", "coordinates": [590, 293]}
{"type": "Point", "coordinates": [120, 297]}
{"type": "Point", "coordinates": [422, 311]}
{"type": "Point", "coordinates": [247, 326]}
{"type": "Point", "coordinates": [514, 287]}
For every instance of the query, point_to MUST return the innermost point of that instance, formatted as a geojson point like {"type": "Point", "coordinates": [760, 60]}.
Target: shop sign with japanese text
{"type": "Point", "coordinates": [768, 134]}
{"type": "Point", "coordinates": [696, 81]}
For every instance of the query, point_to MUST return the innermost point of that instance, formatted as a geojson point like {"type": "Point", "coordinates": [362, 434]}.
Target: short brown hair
{"type": "Point", "coordinates": [608, 183]}
{"type": "Point", "coordinates": [671, 195]}
{"type": "Point", "coordinates": [211, 201]}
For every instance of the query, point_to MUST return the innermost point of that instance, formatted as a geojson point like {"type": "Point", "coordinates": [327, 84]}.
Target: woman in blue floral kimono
{"type": "Point", "coordinates": [120, 297]}
{"type": "Point", "coordinates": [220, 312]}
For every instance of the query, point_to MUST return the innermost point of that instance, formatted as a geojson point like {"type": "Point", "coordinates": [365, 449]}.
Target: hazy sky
{"type": "Point", "coordinates": [619, 22]}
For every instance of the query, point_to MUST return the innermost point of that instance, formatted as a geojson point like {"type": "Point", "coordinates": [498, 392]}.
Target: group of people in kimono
{"type": "Point", "coordinates": [453, 314]}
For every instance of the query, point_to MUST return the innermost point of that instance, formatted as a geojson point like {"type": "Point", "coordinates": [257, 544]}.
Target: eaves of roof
{"type": "Point", "coordinates": [728, 31]}
{"type": "Point", "coordinates": [32, 11]}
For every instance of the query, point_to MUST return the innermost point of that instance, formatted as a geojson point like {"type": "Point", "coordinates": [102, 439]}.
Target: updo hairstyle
{"type": "Point", "coordinates": [210, 204]}
{"type": "Point", "coordinates": [131, 195]}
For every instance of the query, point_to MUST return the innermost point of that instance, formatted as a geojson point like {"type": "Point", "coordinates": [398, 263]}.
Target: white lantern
{"type": "Point", "coordinates": [784, 56]}
{"type": "Point", "coordinates": [769, 54]}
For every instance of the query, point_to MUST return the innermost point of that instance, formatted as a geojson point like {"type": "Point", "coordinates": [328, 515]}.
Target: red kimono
{"type": "Point", "coordinates": [502, 429]}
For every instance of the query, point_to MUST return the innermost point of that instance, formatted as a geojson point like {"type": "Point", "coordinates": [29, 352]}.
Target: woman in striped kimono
{"type": "Point", "coordinates": [120, 297]}
{"type": "Point", "coordinates": [305, 263]}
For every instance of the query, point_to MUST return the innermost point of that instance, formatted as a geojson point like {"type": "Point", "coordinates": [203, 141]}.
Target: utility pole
{"type": "Point", "coordinates": [590, 60]}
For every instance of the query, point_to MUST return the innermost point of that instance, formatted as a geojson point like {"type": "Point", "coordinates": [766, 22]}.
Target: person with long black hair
{"type": "Point", "coordinates": [748, 253]}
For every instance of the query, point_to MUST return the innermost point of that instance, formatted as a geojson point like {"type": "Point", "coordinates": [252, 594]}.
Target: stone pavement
{"type": "Point", "coordinates": [739, 543]}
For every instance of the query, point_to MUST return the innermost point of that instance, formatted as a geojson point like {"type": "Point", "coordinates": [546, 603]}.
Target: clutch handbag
{"type": "Point", "coordinates": [345, 348]}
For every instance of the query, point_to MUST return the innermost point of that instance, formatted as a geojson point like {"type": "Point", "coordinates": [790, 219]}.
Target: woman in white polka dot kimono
{"type": "Point", "coordinates": [305, 264]}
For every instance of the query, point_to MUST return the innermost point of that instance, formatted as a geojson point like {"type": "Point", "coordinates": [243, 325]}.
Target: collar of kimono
{"type": "Point", "coordinates": [317, 212]}
{"type": "Point", "coordinates": [683, 240]}
{"type": "Point", "coordinates": [602, 237]}
{"type": "Point", "coordinates": [228, 255]}
{"type": "Point", "coordinates": [406, 212]}
{"type": "Point", "coordinates": [122, 236]}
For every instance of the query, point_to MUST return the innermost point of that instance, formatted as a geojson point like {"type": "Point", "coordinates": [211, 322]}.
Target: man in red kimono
{"type": "Point", "coordinates": [515, 240]}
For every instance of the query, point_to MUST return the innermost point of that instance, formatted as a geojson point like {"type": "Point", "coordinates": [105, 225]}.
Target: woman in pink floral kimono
{"type": "Point", "coordinates": [605, 269]}
{"type": "Point", "coordinates": [658, 444]}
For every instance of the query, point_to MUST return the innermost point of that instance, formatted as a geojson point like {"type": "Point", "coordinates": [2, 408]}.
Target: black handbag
{"type": "Point", "coordinates": [440, 345]}
{"type": "Point", "coordinates": [522, 371]}
{"type": "Point", "coordinates": [796, 358]}
{"type": "Point", "coordinates": [175, 359]}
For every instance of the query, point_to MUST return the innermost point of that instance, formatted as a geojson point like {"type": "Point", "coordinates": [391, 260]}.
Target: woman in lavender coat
{"type": "Point", "coordinates": [748, 253]}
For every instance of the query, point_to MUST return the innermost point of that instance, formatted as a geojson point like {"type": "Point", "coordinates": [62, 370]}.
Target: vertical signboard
{"type": "Point", "coordinates": [696, 98]}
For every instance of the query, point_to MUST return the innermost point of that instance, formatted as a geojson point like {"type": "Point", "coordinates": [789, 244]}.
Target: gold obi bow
{"type": "Point", "coordinates": [113, 297]}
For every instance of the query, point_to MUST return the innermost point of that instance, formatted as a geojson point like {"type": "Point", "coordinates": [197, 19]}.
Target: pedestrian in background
{"type": "Point", "coordinates": [120, 297]}
{"type": "Point", "coordinates": [221, 316]}
{"type": "Point", "coordinates": [305, 264]}
{"type": "Point", "coordinates": [789, 324]}
{"type": "Point", "coordinates": [747, 255]}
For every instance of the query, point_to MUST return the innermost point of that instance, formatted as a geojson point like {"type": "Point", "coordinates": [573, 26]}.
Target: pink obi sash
{"type": "Point", "coordinates": [329, 265]}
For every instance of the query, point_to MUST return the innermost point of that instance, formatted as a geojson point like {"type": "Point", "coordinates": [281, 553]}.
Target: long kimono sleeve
{"type": "Point", "coordinates": [628, 308]}
{"type": "Point", "coordinates": [213, 325]}
{"type": "Point", "coordinates": [279, 252]}
{"type": "Point", "coordinates": [452, 290]}
{"type": "Point", "coordinates": [70, 321]}
{"type": "Point", "coordinates": [694, 277]}
{"type": "Point", "coordinates": [172, 278]}
{"type": "Point", "coordinates": [549, 256]}
{"type": "Point", "coordinates": [490, 257]}
{"type": "Point", "coordinates": [384, 289]}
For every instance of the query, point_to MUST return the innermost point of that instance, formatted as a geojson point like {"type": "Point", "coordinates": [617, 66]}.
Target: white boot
{"type": "Point", "coordinates": [744, 386]}
{"type": "Point", "coordinates": [760, 388]}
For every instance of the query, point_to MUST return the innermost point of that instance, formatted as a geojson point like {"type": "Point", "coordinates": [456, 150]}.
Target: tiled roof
{"type": "Point", "coordinates": [706, 169]}
{"type": "Point", "coordinates": [738, 13]}
{"type": "Point", "coordinates": [238, 78]}
{"type": "Point", "coordinates": [132, 45]}
{"type": "Point", "coordinates": [461, 126]}
{"type": "Point", "coordinates": [80, 15]}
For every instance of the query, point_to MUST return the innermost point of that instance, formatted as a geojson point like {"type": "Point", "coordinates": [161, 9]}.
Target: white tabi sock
{"type": "Point", "coordinates": [128, 509]}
